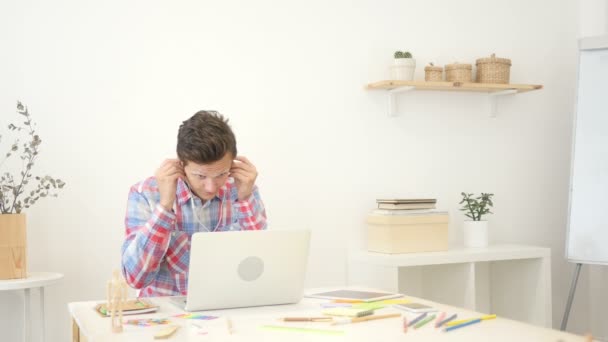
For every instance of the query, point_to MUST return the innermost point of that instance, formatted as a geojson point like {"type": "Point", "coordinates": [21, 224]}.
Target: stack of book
{"type": "Point", "coordinates": [407, 226]}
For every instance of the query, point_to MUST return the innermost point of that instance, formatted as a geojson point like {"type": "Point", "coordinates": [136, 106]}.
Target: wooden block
{"type": "Point", "coordinates": [166, 332]}
{"type": "Point", "coordinates": [407, 219]}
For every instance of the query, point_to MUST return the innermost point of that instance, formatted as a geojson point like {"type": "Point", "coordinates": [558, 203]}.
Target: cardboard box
{"type": "Point", "coordinates": [13, 262]}
{"type": "Point", "coordinates": [407, 233]}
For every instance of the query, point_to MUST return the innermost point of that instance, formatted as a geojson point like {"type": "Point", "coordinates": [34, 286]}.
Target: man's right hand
{"type": "Point", "coordinates": [166, 176]}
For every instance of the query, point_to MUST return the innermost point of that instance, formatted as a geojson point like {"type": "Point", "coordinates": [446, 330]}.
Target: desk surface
{"type": "Point", "coordinates": [246, 324]}
{"type": "Point", "coordinates": [34, 279]}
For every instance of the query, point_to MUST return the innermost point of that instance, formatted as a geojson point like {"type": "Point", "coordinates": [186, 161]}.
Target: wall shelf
{"type": "Point", "coordinates": [493, 91]}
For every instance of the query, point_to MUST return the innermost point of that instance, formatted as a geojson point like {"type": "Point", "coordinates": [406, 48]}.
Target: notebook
{"type": "Point", "coordinates": [130, 307]}
{"type": "Point", "coordinates": [355, 295]}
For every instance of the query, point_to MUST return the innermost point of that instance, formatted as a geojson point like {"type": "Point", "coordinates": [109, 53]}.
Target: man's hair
{"type": "Point", "coordinates": [205, 138]}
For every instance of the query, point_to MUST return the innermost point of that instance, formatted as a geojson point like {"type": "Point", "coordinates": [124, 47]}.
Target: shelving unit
{"type": "Point", "coordinates": [508, 280]}
{"type": "Point", "coordinates": [492, 90]}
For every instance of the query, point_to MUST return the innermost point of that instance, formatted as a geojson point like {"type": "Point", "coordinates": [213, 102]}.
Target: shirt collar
{"type": "Point", "coordinates": [184, 193]}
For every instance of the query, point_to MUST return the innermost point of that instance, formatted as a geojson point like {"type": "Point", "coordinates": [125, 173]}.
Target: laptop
{"type": "Point", "coordinates": [246, 268]}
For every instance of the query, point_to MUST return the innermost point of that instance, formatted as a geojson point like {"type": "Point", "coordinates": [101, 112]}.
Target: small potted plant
{"type": "Point", "coordinates": [19, 190]}
{"type": "Point", "coordinates": [404, 67]}
{"type": "Point", "coordinates": [476, 229]}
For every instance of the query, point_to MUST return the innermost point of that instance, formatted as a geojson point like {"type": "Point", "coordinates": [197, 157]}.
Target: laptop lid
{"type": "Point", "coordinates": [246, 268]}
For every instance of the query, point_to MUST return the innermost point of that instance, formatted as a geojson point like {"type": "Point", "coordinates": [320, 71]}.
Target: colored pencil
{"type": "Point", "coordinates": [424, 321]}
{"type": "Point", "coordinates": [462, 325]}
{"type": "Point", "coordinates": [440, 323]}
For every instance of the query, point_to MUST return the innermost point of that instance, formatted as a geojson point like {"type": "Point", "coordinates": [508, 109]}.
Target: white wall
{"type": "Point", "coordinates": [109, 82]}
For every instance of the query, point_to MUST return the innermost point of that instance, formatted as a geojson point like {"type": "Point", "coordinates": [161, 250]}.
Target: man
{"type": "Point", "coordinates": [209, 188]}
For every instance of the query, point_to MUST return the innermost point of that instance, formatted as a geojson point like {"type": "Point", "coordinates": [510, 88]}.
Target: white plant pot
{"type": "Point", "coordinates": [403, 70]}
{"type": "Point", "coordinates": [475, 234]}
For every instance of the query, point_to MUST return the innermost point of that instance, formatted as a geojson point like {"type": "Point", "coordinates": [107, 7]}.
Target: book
{"type": "Point", "coordinates": [406, 200]}
{"type": "Point", "coordinates": [130, 307]}
{"type": "Point", "coordinates": [385, 205]}
{"type": "Point", "coordinates": [390, 212]}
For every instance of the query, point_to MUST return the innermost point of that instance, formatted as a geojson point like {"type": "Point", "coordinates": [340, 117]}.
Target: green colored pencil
{"type": "Point", "coordinates": [424, 321]}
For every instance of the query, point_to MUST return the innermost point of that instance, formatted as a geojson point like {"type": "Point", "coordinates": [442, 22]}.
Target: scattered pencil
{"type": "Point", "coordinates": [424, 321]}
{"type": "Point", "coordinates": [338, 321]}
{"type": "Point", "coordinates": [422, 315]}
{"type": "Point", "coordinates": [447, 320]}
{"type": "Point", "coordinates": [483, 318]}
{"type": "Point", "coordinates": [439, 319]}
{"type": "Point", "coordinates": [306, 319]}
{"type": "Point", "coordinates": [462, 325]}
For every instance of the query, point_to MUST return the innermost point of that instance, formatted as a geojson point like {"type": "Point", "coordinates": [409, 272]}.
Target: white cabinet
{"type": "Point", "coordinates": [508, 280]}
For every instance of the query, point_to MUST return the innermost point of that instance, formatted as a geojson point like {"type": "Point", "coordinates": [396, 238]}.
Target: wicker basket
{"type": "Point", "coordinates": [433, 73]}
{"type": "Point", "coordinates": [493, 70]}
{"type": "Point", "coordinates": [459, 72]}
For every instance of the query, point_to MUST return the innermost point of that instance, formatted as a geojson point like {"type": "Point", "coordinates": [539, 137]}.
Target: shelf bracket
{"type": "Point", "coordinates": [392, 102]}
{"type": "Point", "coordinates": [494, 97]}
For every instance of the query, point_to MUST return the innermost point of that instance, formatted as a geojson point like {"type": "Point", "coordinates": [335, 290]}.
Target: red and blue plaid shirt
{"type": "Point", "coordinates": [156, 251]}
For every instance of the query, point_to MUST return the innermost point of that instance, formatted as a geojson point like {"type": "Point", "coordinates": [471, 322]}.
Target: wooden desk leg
{"type": "Point", "coordinates": [27, 336]}
{"type": "Point", "coordinates": [76, 335]}
{"type": "Point", "coordinates": [75, 331]}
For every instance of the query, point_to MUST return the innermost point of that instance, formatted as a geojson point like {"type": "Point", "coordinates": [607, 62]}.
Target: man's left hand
{"type": "Point", "coordinates": [244, 173]}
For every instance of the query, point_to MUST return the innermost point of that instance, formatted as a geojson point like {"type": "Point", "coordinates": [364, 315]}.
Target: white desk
{"type": "Point", "coordinates": [34, 279]}
{"type": "Point", "coordinates": [90, 327]}
{"type": "Point", "coordinates": [508, 280]}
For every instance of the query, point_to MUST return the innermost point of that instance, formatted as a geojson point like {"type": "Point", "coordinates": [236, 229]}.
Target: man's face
{"type": "Point", "coordinates": [205, 180]}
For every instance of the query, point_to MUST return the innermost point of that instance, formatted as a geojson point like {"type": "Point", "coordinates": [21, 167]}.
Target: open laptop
{"type": "Point", "coordinates": [246, 268]}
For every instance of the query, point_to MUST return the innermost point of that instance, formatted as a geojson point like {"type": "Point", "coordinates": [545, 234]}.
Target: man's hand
{"type": "Point", "coordinates": [166, 175]}
{"type": "Point", "coordinates": [244, 174]}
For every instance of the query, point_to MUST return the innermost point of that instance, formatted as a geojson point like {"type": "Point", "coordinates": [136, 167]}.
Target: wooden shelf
{"type": "Point", "coordinates": [450, 86]}
{"type": "Point", "coordinates": [493, 90]}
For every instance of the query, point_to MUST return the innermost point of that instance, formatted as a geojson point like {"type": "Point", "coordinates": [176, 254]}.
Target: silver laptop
{"type": "Point", "coordinates": [246, 268]}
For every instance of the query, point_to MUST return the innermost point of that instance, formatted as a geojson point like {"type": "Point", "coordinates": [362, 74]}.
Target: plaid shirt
{"type": "Point", "coordinates": [156, 251]}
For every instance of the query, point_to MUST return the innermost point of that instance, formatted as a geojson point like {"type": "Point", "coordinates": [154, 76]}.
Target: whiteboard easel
{"type": "Point", "coordinates": [587, 234]}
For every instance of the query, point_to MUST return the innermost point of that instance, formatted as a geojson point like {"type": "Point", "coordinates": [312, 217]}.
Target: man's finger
{"type": "Point", "coordinates": [240, 175]}
{"type": "Point", "coordinates": [243, 166]}
{"type": "Point", "coordinates": [244, 160]}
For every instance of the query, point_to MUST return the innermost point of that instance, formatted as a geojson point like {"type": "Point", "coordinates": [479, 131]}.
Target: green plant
{"type": "Point", "coordinates": [403, 54]}
{"type": "Point", "coordinates": [13, 186]}
{"type": "Point", "coordinates": [475, 208]}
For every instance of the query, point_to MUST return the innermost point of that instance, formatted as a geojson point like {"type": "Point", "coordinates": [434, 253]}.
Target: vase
{"type": "Point", "coordinates": [403, 70]}
{"type": "Point", "coordinates": [475, 234]}
{"type": "Point", "coordinates": [13, 262]}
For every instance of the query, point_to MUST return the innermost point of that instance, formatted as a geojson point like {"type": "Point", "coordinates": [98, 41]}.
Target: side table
{"type": "Point", "coordinates": [33, 280]}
